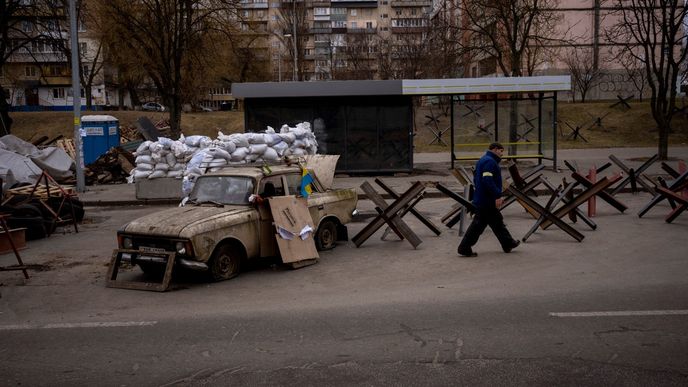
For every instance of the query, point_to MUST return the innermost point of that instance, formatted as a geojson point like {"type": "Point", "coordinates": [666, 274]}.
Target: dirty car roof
{"type": "Point", "coordinates": [252, 171]}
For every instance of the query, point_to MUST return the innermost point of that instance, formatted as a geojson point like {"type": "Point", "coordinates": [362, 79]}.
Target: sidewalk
{"type": "Point", "coordinates": [431, 167]}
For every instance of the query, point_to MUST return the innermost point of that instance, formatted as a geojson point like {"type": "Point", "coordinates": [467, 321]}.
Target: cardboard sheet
{"type": "Point", "coordinates": [295, 229]}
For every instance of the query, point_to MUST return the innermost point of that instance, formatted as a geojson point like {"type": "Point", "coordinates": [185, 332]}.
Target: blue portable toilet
{"type": "Point", "coordinates": [101, 134]}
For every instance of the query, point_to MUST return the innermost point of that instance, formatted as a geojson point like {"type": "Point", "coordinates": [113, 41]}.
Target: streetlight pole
{"type": "Point", "coordinates": [296, 51]}
{"type": "Point", "coordinates": [76, 97]}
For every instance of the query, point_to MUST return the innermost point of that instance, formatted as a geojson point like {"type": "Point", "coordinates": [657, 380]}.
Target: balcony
{"type": "Point", "coordinates": [59, 80]}
{"type": "Point", "coordinates": [354, 3]}
{"type": "Point", "coordinates": [410, 3]}
{"type": "Point", "coordinates": [321, 17]}
{"type": "Point", "coordinates": [22, 56]}
{"type": "Point", "coordinates": [372, 30]}
{"type": "Point", "coordinates": [254, 4]}
{"type": "Point", "coordinates": [327, 30]}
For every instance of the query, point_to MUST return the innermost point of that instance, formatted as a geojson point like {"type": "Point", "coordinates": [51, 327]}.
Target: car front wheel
{"type": "Point", "coordinates": [326, 236]}
{"type": "Point", "coordinates": [225, 264]}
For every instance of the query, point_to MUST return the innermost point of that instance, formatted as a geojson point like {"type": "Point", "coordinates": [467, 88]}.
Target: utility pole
{"type": "Point", "coordinates": [76, 98]}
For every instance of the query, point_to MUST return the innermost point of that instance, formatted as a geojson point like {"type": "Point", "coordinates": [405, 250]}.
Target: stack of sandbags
{"type": "Point", "coordinates": [162, 158]}
{"type": "Point", "coordinates": [192, 156]}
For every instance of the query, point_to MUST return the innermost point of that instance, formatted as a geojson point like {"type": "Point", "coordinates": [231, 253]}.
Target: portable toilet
{"type": "Point", "coordinates": [101, 134]}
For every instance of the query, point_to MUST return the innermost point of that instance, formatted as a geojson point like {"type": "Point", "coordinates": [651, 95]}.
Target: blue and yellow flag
{"type": "Point", "coordinates": [306, 180]}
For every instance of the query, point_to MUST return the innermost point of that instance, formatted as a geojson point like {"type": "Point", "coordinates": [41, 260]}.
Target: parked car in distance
{"type": "Point", "coordinates": [218, 228]}
{"type": "Point", "coordinates": [153, 107]}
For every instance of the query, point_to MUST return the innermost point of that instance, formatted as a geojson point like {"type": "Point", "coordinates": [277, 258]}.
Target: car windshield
{"type": "Point", "coordinates": [222, 190]}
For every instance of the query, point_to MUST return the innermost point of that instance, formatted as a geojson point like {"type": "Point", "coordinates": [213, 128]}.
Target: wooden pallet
{"type": "Point", "coordinates": [41, 192]}
{"type": "Point", "coordinates": [67, 144]}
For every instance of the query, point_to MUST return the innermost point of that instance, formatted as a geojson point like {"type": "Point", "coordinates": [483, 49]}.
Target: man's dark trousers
{"type": "Point", "coordinates": [486, 217]}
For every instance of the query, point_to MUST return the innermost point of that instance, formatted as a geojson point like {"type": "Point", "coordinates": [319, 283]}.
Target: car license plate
{"type": "Point", "coordinates": [152, 249]}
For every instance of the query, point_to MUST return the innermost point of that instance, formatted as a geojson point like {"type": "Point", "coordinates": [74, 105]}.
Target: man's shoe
{"type": "Point", "coordinates": [513, 246]}
{"type": "Point", "coordinates": [467, 253]}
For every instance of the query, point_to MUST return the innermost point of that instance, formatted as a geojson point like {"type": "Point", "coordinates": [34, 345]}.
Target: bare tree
{"type": "Point", "coordinates": [507, 31]}
{"type": "Point", "coordinates": [360, 54]}
{"type": "Point", "coordinates": [635, 72]}
{"type": "Point", "coordinates": [293, 19]}
{"type": "Point", "coordinates": [653, 32]}
{"type": "Point", "coordinates": [584, 74]}
{"type": "Point", "coordinates": [20, 29]}
{"type": "Point", "coordinates": [169, 38]}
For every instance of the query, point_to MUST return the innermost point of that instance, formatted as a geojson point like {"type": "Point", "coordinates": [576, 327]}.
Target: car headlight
{"type": "Point", "coordinates": [127, 243]}
{"type": "Point", "coordinates": [180, 247]}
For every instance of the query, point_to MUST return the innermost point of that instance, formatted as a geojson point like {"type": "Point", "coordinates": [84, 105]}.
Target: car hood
{"type": "Point", "coordinates": [174, 221]}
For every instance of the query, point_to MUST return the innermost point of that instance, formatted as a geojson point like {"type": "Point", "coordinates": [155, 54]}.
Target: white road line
{"type": "Point", "coordinates": [110, 324]}
{"type": "Point", "coordinates": [622, 313]}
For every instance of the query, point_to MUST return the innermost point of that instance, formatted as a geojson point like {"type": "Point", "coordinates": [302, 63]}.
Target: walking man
{"type": "Point", "coordinates": [487, 199]}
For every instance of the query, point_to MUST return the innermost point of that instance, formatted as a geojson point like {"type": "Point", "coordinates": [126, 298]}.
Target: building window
{"type": "Point", "coordinates": [85, 70]}
{"type": "Point", "coordinates": [27, 26]}
{"type": "Point", "coordinates": [354, 25]}
{"type": "Point", "coordinates": [83, 47]}
{"type": "Point", "coordinates": [55, 71]}
{"type": "Point", "coordinates": [58, 93]}
{"type": "Point", "coordinates": [353, 12]}
{"type": "Point", "coordinates": [81, 25]}
{"type": "Point", "coordinates": [369, 25]}
{"type": "Point", "coordinates": [30, 71]}
{"type": "Point", "coordinates": [384, 16]}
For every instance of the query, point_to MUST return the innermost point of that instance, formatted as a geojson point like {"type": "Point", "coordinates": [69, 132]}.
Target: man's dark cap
{"type": "Point", "coordinates": [495, 145]}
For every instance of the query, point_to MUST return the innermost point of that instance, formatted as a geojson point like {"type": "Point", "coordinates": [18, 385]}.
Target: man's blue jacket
{"type": "Point", "coordinates": [487, 181]}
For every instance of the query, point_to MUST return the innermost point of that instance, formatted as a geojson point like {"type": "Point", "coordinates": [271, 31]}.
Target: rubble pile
{"type": "Point", "coordinates": [113, 167]}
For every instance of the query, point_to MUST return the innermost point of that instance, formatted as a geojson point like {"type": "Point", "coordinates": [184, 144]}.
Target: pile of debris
{"type": "Point", "coordinates": [111, 168]}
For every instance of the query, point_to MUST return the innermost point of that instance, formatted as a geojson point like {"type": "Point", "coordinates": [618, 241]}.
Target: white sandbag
{"type": "Point", "coordinates": [272, 139]}
{"type": "Point", "coordinates": [239, 153]}
{"type": "Point", "coordinates": [298, 152]}
{"type": "Point", "coordinates": [144, 167]}
{"type": "Point", "coordinates": [138, 174]}
{"type": "Point", "coordinates": [271, 155]}
{"type": "Point", "coordinates": [162, 167]}
{"type": "Point", "coordinates": [178, 167]}
{"type": "Point", "coordinates": [143, 147]}
{"type": "Point", "coordinates": [270, 130]}
{"type": "Point", "coordinates": [196, 171]}
{"type": "Point", "coordinates": [175, 174]}
{"type": "Point", "coordinates": [157, 157]}
{"type": "Point", "coordinates": [285, 129]}
{"type": "Point", "coordinates": [194, 141]}
{"type": "Point", "coordinates": [178, 149]}
{"type": "Point", "coordinates": [287, 137]}
{"type": "Point", "coordinates": [196, 160]}
{"type": "Point", "coordinates": [157, 174]}
{"type": "Point", "coordinates": [229, 146]}
{"type": "Point", "coordinates": [218, 153]}
{"type": "Point", "coordinates": [144, 159]}
{"type": "Point", "coordinates": [280, 147]}
{"type": "Point", "coordinates": [239, 139]}
{"type": "Point", "coordinates": [258, 149]}
{"type": "Point", "coordinates": [255, 138]}
{"type": "Point", "coordinates": [165, 142]}
{"type": "Point", "coordinates": [170, 159]}
{"type": "Point", "coordinates": [298, 144]}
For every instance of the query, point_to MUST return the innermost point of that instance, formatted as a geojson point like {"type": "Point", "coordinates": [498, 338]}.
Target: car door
{"type": "Point", "coordinates": [268, 243]}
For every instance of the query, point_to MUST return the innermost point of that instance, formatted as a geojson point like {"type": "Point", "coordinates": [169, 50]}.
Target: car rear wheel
{"type": "Point", "coordinates": [225, 263]}
{"type": "Point", "coordinates": [326, 236]}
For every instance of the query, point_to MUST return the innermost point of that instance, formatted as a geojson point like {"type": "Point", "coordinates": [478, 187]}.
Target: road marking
{"type": "Point", "coordinates": [110, 324]}
{"type": "Point", "coordinates": [622, 313]}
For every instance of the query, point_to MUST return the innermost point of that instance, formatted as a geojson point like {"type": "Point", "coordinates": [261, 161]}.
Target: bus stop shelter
{"type": "Point", "coordinates": [371, 124]}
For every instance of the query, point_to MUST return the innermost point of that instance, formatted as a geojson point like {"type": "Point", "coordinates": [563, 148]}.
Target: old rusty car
{"type": "Point", "coordinates": [219, 226]}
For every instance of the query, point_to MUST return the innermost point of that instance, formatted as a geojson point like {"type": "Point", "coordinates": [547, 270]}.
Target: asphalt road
{"type": "Point", "coordinates": [612, 310]}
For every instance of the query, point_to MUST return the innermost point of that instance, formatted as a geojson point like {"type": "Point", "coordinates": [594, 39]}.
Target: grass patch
{"type": "Point", "coordinates": [620, 128]}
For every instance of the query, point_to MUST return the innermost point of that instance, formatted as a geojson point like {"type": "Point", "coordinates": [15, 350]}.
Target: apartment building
{"type": "Point", "coordinates": [37, 76]}
{"type": "Point", "coordinates": [334, 39]}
